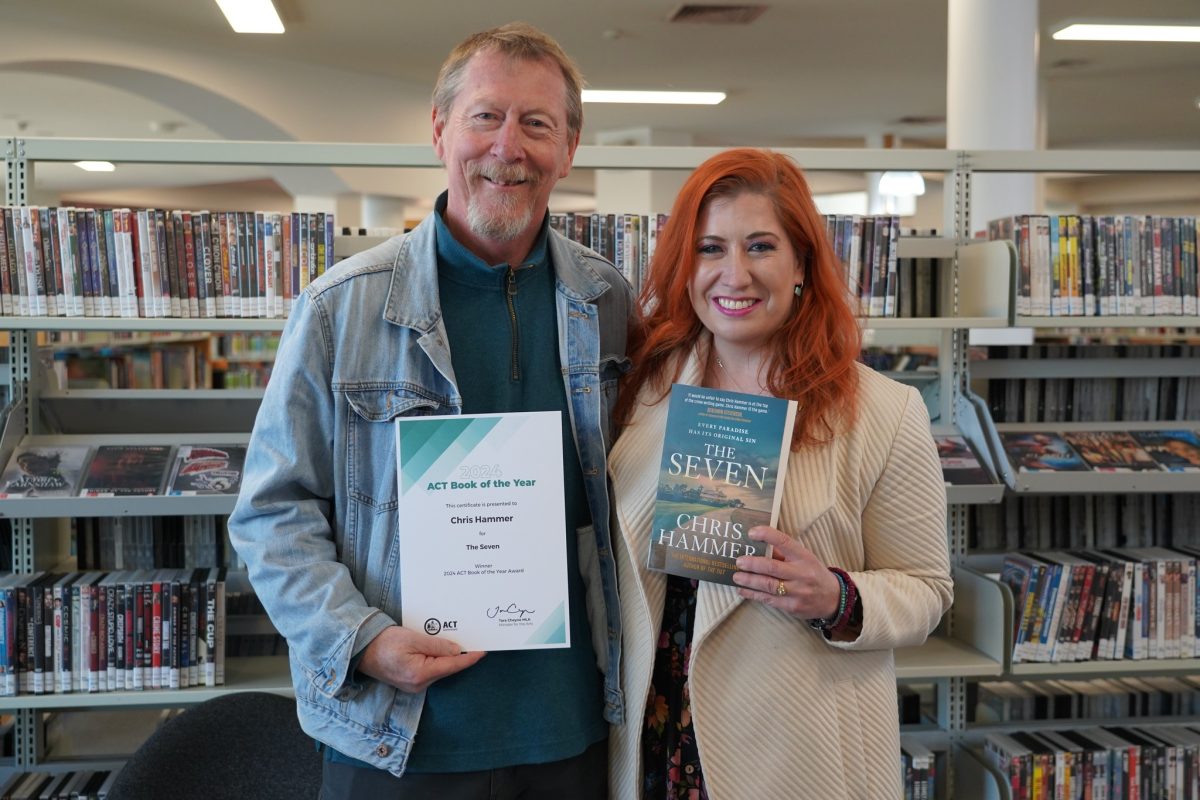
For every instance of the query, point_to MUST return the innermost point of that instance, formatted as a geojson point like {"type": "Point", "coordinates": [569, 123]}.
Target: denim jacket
{"type": "Point", "coordinates": [316, 520]}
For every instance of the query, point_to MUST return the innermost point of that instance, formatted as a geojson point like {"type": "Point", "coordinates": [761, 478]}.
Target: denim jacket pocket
{"type": "Point", "coordinates": [371, 442]}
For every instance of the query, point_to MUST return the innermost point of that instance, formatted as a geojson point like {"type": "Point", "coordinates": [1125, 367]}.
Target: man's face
{"type": "Point", "coordinates": [505, 145]}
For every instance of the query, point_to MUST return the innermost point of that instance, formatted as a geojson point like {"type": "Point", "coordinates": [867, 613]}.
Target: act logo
{"type": "Point", "coordinates": [434, 626]}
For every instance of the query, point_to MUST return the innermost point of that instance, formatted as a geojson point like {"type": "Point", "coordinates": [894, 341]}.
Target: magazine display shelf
{"type": "Point", "coordinates": [977, 269]}
{"type": "Point", "coordinates": [1090, 481]}
{"type": "Point", "coordinates": [138, 506]}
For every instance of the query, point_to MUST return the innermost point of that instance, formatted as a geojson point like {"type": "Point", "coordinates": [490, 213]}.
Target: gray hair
{"type": "Point", "coordinates": [517, 41]}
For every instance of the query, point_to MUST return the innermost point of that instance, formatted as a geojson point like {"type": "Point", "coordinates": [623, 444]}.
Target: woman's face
{"type": "Point", "coordinates": [746, 271]}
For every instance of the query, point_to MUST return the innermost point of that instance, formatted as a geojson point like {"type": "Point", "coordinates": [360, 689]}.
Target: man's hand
{"type": "Point", "coordinates": [410, 662]}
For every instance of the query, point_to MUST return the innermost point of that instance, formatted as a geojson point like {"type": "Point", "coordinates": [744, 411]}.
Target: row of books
{"type": "Point", "coordinates": [1070, 265]}
{"type": "Point", "coordinates": [1085, 520]}
{"type": "Point", "coordinates": [867, 246]}
{"type": "Point", "coordinates": [117, 543]}
{"type": "Point", "coordinates": [918, 769]}
{"type": "Point", "coordinates": [1110, 762]}
{"type": "Point", "coordinates": [111, 631]}
{"type": "Point", "coordinates": [180, 365]}
{"type": "Point", "coordinates": [127, 470]}
{"type": "Point", "coordinates": [1082, 605]}
{"type": "Point", "coordinates": [627, 240]}
{"type": "Point", "coordinates": [1098, 699]}
{"type": "Point", "coordinates": [73, 785]}
{"type": "Point", "coordinates": [1118, 397]}
{"type": "Point", "coordinates": [1103, 451]}
{"type": "Point", "coordinates": [74, 262]}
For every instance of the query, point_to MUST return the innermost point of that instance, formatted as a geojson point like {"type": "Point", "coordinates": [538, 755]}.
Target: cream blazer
{"type": "Point", "coordinates": [779, 711]}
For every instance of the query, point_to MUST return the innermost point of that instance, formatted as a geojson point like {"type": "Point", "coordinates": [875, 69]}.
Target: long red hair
{"type": "Point", "coordinates": [814, 351]}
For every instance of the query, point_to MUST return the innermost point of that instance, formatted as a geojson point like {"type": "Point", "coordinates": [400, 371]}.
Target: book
{"type": "Point", "coordinates": [41, 471]}
{"type": "Point", "coordinates": [207, 469]}
{"type": "Point", "coordinates": [124, 470]}
{"type": "Point", "coordinates": [960, 464]}
{"type": "Point", "coordinates": [1174, 451]}
{"type": "Point", "coordinates": [1041, 452]}
{"type": "Point", "coordinates": [1111, 451]}
{"type": "Point", "coordinates": [723, 453]}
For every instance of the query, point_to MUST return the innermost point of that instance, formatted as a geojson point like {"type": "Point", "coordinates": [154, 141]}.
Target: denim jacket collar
{"type": "Point", "coordinates": [413, 300]}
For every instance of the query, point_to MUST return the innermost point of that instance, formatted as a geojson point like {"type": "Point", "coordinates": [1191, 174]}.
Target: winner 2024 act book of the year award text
{"type": "Point", "coordinates": [723, 454]}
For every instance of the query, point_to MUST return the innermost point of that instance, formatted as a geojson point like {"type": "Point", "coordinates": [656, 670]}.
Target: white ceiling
{"type": "Point", "coordinates": [807, 72]}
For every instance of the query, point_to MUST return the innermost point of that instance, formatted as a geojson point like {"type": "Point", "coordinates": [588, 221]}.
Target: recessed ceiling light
{"type": "Point", "coordinates": [251, 16]}
{"type": "Point", "coordinates": [667, 98]}
{"type": "Point", "coordinates": [1127, 32]}
{"type": "Point", "coordinates": [95, 166]}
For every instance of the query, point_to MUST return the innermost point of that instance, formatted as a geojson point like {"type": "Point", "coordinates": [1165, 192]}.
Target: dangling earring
{"type": "Point", "coordinates": [799, 290]}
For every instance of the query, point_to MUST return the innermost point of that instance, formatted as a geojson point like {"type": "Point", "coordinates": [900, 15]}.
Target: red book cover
{"type": "Point", "coordinates": [156, 635]}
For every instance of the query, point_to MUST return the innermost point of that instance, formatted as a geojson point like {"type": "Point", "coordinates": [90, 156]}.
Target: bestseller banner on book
{"type": "Point", "coordinates": [483, 555]}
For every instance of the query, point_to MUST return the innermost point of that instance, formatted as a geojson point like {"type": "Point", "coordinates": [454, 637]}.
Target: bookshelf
{"type": "Point", "coordinates": [975, 291]}
{"type": "Point", "coordinates": [971, 766]}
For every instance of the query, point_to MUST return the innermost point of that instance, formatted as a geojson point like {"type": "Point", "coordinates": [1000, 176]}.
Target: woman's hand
{"type": "Point", "coordinates": [793, 580]}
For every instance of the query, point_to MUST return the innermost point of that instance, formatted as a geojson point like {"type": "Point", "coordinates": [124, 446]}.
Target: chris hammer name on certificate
{"type": "Point", "coordinates": [480, 521]}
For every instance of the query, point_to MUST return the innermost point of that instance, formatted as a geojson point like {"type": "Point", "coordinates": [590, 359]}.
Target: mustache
{"type": "Point", "coordinates": [504, 173]}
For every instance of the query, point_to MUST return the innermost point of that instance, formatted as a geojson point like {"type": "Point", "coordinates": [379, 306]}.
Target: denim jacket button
{"type": "Point", "coordinates": [382, 750]}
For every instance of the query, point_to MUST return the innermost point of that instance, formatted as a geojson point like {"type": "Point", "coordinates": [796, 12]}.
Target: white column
{"type": "Point", "coordinates": [372, 211]}
{"type": "Point", "coordinates": [639, 191]}
{"type": "Point", "coordinates": [992, 98]}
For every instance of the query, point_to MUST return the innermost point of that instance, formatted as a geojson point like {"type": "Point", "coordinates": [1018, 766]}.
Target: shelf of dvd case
{"type": "Point", "coordinates": [205, 324]}
{"type": "Point", "coordinates": [1073, 476]}
{"type": "Point", "coordinates": [157, 411]}
{"type": "Point", "coordinates": [995, 623]}
{"type": "Point", "coordinates": [242, 674]}
{"type": "Point", "coordinates": [1110, 321]}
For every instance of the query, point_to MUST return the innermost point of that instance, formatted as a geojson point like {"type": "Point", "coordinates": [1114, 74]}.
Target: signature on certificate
{"type": "Point", "coordinates": [511, 611]}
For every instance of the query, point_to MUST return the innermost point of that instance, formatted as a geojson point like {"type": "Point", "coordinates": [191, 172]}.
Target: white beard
{"type": "Point", "coordinates": [504, 217]}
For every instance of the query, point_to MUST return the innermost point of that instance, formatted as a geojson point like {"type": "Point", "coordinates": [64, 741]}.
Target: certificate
{"type": "Point", "coordinates": [483, 551]}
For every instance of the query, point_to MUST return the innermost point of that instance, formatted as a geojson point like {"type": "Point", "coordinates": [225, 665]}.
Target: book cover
{"type": "Point", "coordinates": [1174, 451]}
{"type": "Point", "coordinates": [723, 453]}
{"type": "Point", "coordinates": [1111, 451]}
{"type": "Point", "coordinates": [125, 470]}
{"type": "Point", "coordinates": [960, 464]}
{"type": "Point", "coordinates": [40, 471]}
{"type": "Point", "coordinates": [1041, 452]}
{"type": "Point", "coordinates": [207, 469]}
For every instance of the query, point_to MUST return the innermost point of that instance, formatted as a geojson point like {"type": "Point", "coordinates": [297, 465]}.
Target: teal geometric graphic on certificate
{"type": "Point", "coordinates": [553, 630]}
{"type": "Point", "coordinates": [434, 447]}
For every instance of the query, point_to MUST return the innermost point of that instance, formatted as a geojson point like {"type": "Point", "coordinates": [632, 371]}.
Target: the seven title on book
{"type": "Point", "coordinates": [73, 262]}
{"type": "Point", "coordinates": [1107, 762]}
{"type": "Point", "coordinates": [128, 470]}
{"type": "Point", "coordinates": [1077, 265]}
{"type": "Point", "coordinates": [112, 631]}
{"type": "Point", "coordinates": [883, 284]}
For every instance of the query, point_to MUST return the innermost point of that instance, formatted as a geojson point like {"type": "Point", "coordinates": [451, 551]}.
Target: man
{"type": "Point", "coordinates": [482, 308]}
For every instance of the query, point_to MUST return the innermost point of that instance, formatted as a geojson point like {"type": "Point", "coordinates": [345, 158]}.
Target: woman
{"type": "Point", "coordinates": [784, 685]}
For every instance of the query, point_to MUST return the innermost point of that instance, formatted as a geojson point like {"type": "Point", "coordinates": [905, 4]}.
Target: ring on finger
{"type": "Point", "coordinates": [780, 589]}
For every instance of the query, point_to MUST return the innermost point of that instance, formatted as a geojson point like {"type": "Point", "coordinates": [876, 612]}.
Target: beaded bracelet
{"type": "Point", "coordinates": [826, 623]}
{"type": "Point", "coordinates": [844, 618]}
{"type": "Point", "coordinates": [847, 599]}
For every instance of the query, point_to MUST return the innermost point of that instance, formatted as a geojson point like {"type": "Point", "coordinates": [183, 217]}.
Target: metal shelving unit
{"type": "Point", "coordinates": [970, 765]}
{"type": "Point", "coordinates": [949, 659]}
